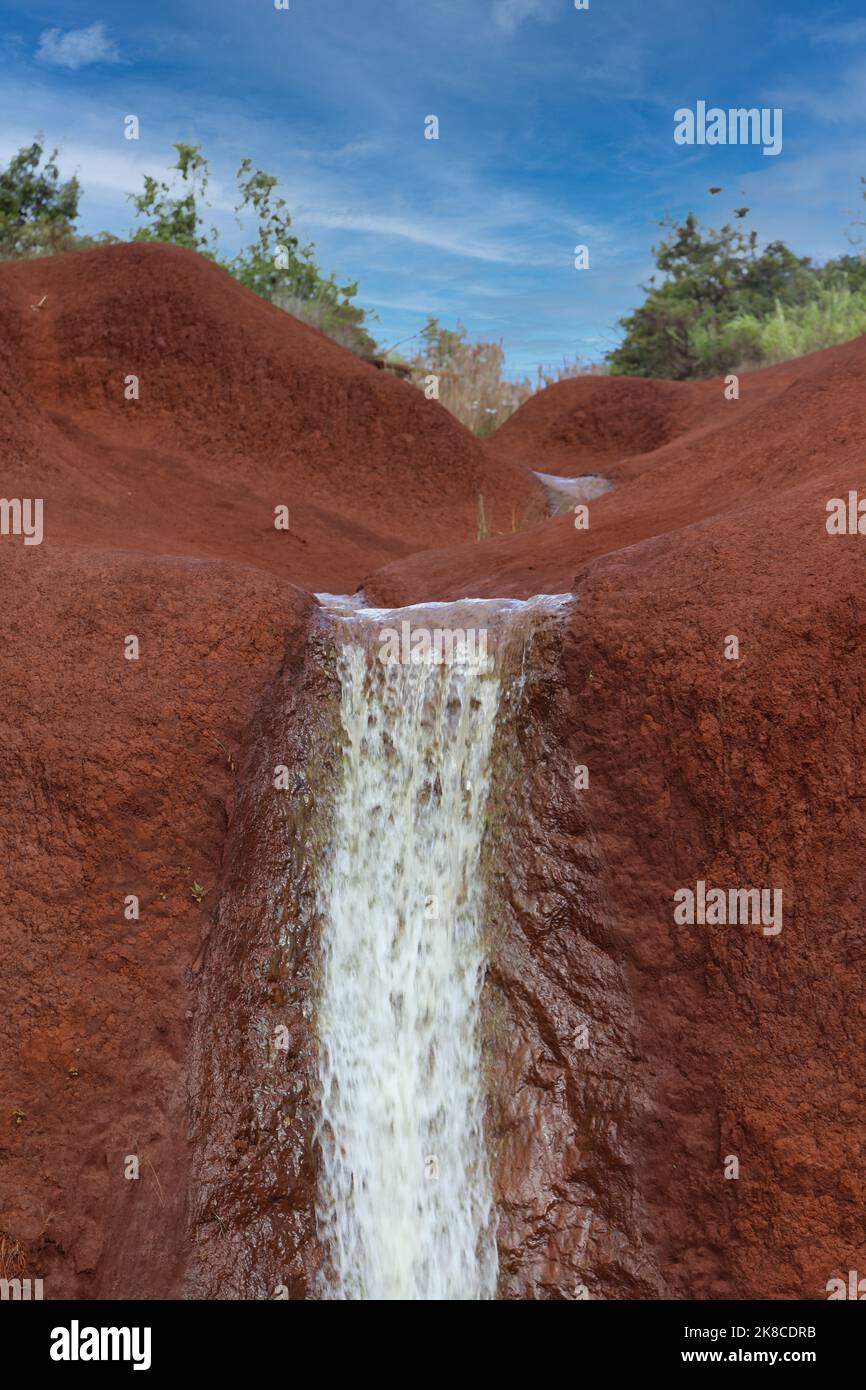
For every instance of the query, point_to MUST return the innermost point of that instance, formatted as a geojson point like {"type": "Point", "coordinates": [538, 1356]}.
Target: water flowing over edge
{"type": "Point", "coordinates": [405, 1205]}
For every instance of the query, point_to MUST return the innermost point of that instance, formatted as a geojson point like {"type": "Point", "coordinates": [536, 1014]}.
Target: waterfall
{"type": "Point", "coordinates": [405, 1201]}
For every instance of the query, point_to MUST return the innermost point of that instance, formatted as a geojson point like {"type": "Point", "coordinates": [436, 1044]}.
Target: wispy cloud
{"type": "Point", "coordinates": [827, 28]}
{"type": "Point", "coordinates": [508, 14]}
{"type": "Point", "coordinates": [531, 162]}
{"type": "Point", "coordinates": [422, 231]}
{"type": "Point", "coordinates": [838, 100]}
{"type": "Point", "coordinates": [77, 47]}
{"type": "Point", "coordinates": [850, 34]}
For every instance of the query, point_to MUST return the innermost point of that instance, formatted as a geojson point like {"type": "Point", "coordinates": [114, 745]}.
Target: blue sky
{"type": "Point", "coordinates": [556, 128]}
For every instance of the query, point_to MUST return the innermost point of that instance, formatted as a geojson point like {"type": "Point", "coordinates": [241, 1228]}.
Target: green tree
{"type": "Point", "coordinates": [175, 218]}
{"type": "Point", "coordinates": [274, 266]}
{"type": "Point", "coordinates": [37, 210]}
{"type": "Point", "coordinates": [684, 327]}
{"type": "Point", "coordinates": [277, 267]}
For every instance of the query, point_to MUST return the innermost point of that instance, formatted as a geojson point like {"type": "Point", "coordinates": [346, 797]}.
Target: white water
{"type": "Point", "coordinates": [405, 1203]}
{"type": "Point", "coordinates": [562, 493]}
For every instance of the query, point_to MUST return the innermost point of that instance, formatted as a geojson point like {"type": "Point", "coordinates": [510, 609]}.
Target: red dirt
{"type": "Point", "coordinates": [123, 777]}
{"type": "Point", "coordinates": [737, 772]}
{"type": "Point", "coordinates": [241, 409]}
{"type": "Point", "coordinates": [798, 423]}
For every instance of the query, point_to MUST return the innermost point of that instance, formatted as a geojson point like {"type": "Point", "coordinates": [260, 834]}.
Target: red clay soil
{"type": "Point", "coordinates": [799, 422]}
{"type": "Point", "coordinates": [134, 777]}
{"type": "Point", "coordinates": [241, 409]}
{"type": "Point", "coordinates": [738, 772]}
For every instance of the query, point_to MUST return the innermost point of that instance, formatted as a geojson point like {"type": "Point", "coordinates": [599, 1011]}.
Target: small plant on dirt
{"type": "Point", "coordinates": [483, 532]}
{"type": "Point", "coordinates": [230, 762]}
{"type": "Point", "coordinates": [197, 891]}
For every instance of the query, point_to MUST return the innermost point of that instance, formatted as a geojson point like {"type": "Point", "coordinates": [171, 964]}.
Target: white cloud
{"type": "Point", "coordinates": [76, 47]}
{"type": "Point", "coordinates": [422, 231]}
{"type": "Point", "coordinates": [850, 34]}
{"type": "Point", "coordinates": [838, 101]}
{"type": "Point", "coordinates": [509, 13]}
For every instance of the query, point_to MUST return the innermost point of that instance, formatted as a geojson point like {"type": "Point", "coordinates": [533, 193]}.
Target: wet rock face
{"type": "Point", "coordinates": [253, 1073]}
{"type": "Point", "coordinates": [560, 1030]}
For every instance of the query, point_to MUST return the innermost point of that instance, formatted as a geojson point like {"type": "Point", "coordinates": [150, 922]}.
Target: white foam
{"type": "Point", "coordinates": [405, 1202]}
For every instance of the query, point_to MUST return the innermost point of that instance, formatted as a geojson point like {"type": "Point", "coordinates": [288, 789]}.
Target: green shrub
{"type": "Point", "coordinates": [836, 316]}
{"type": "Point", "coordinates": [38, 215]}
{"type": "Point", "coordinates": [724, 303]}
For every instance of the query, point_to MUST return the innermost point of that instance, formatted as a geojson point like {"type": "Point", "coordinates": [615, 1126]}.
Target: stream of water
{"type": "Point", "coordinates": [405, 1203]}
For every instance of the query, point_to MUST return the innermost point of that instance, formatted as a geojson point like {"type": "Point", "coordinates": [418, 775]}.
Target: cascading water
{"type": "Point", "coordinates": [405, 1201]}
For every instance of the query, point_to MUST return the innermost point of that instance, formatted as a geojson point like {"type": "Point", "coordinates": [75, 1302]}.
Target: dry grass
{"type": "Point", "coordinates": [472, 383]}
{"type": "Point", "coordinates": [13, 1260]}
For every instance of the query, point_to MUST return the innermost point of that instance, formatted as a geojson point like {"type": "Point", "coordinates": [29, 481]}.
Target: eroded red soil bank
{"type": "Point", "coordinates": [122, 777]}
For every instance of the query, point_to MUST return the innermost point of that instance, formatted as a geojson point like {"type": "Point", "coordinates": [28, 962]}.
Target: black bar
{"type": "Point", "coordinates": [227, 1338]}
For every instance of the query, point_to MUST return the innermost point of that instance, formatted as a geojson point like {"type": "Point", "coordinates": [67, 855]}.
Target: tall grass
{"type": "Point", "coordinates": [836, 315]}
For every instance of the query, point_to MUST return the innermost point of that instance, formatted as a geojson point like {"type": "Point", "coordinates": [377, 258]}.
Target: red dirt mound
{"type": "Point", "coordinates": [801, 421]}
{"type": "Point", "coordinates": [123, 778]}
{"type": "Point", "coordinates": [592, 424]}
{"type": "Point", "coordinates": [115, 780]}
{"type": "Point", "coordinates": [241, 409]}
{"type": "Point", "coordinates": [117, 775]}
{"type": "Point", "coordinates": [577, 426]}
